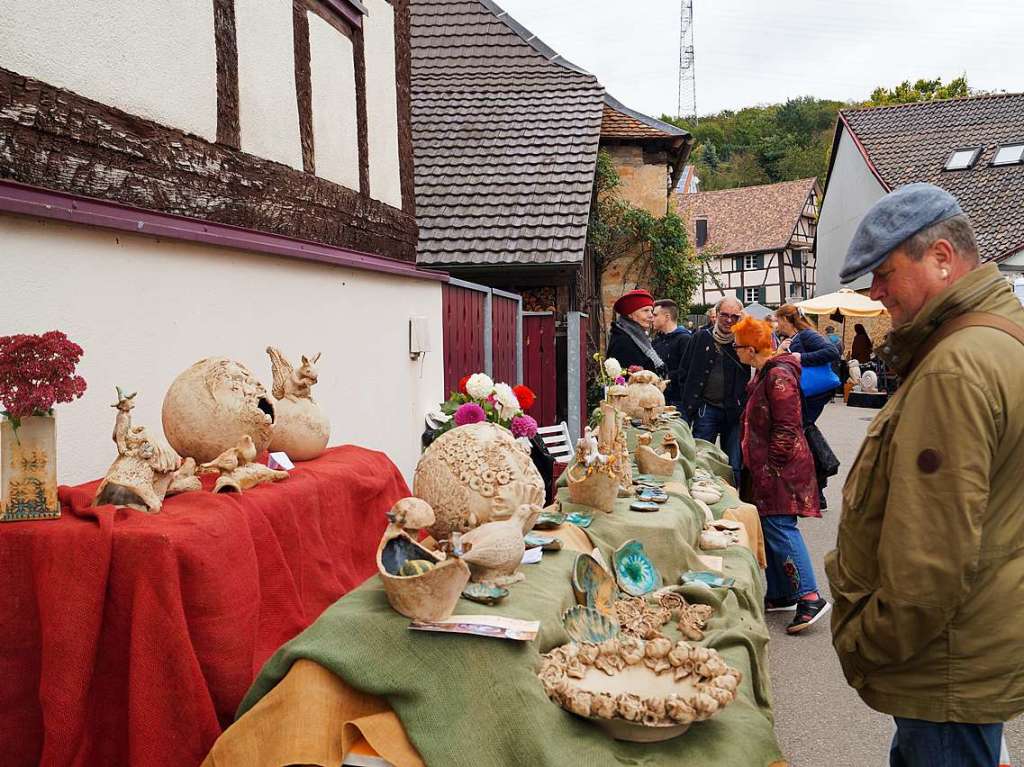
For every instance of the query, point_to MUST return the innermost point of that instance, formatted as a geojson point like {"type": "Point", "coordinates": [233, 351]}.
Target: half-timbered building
{"type": "Point", "coordinates": [191, 178]}
{"type": "Point", "coordinates": [757, 241]}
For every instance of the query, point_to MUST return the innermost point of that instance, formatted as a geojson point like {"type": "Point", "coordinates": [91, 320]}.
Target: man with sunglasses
{"type": "Point", "coordinates": [713, 383]}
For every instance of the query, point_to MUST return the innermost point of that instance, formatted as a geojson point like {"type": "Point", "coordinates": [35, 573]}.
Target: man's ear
{"type": "Point", "coordinates": [944, 254]}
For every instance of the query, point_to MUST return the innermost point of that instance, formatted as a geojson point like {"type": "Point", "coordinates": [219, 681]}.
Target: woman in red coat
{"type": "Point", "coordinates": [782, 482]}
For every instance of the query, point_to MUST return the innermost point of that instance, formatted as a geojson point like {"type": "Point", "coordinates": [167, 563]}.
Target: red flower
{"type": "Point", "coordinates": [525, 396]}
{"type": "Point", "coordinates": [462, 384]}
{"type": "Point", "coordinates": [36, 372]}
{"type": "Point", "coordinates": [634, 369]}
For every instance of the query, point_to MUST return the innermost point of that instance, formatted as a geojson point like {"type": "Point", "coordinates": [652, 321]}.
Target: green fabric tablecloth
{"type": "Point", "coordinates": [474, 701]}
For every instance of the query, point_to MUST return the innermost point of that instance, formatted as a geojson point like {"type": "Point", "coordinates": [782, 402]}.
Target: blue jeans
{"type": "Point", "coordinates": [918, 743]}
{"type": "Point", "coordinates": [790, 573]}
{"type": "Point", "coordinates": [711, 423]}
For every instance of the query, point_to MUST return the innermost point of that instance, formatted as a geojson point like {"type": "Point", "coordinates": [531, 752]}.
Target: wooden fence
{"type": "Point", "coordinates": [482, 330]}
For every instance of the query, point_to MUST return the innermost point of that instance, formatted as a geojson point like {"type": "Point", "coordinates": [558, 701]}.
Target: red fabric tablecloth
{"type": "Point", "coordinates": [129, 638]}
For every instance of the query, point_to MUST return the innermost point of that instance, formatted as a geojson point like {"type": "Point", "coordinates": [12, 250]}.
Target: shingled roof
{"type": "Point", "coordinates": [749, 219]}
{"type": "Point", "coordinates": [505, 137]}
{"type": "Point", "coordinates": [619, 121]}
{"type": "Point", "coordinates": [912, 142]}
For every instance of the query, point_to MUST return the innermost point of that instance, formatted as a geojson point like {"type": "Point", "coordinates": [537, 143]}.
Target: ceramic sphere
{"type": "Point", "coordinates": [301, 429]}
{"type": "Point", "coordinates": [475, 474]}
{"type": "Point", "coordinates": [213, 404]}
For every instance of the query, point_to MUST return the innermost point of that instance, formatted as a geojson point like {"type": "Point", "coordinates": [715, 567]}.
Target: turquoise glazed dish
{"type": "Point", "coordinates": [584, 624]}
{"type": "Point", "coordinates": [580, 520]}
{"type": "Point", "coordinates": [634, 571]}
{"type": "Point", "coordinates": [485, 595]}
{"type": "Point", "coordinates": [549, 520]}
{"type": "Point", "coordinates": [706, 578]}
{"type": "Point", "coordinates": [593, 586]}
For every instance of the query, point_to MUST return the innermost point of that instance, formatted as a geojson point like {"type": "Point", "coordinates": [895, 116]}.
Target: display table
{"type": "Point", "coordinates": [419, 698]}
{"type": "Point", "coordinates": [130, 638]}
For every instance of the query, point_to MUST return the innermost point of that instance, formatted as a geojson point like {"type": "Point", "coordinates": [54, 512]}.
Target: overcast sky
{"type": "Point", "coordinates": [752, 52]}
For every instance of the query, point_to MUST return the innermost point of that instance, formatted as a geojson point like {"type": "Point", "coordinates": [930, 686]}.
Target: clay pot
{"type": "Point", "coordinates": [597, 487]}
{"type": "Point", "coordinates": [644, 397]}
{"type": "Point", "coordinates": [649, 461]}
{"type": "Point", "coordinates": [301, 429]}
{"type": "Point", "coordinates": [475, 474]}
{"type": "Point", "coordinates": [430, 596]}
{"type": "Point", "coordinates": [212, 405]}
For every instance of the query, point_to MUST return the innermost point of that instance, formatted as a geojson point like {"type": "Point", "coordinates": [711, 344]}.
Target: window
{"type": "Point", "coordinates": [796, 258]}
{"type": "Point", "coordinates": [751, 262]}
{"type": "Point", "coordinates": [1009, 154]}
{"type": "Point", "coordinates": [750, 295]}
{"type": "Point", "coordinates": [702, 232]}
{"type": "Point", "coordinates": [962, 159]}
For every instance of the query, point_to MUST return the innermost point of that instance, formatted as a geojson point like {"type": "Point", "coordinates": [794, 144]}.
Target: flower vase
{"type": "Point", "coordinates": [28, 474]}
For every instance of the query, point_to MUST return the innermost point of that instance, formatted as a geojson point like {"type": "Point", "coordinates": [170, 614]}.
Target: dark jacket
{"type": "Point", "coordinates": [693, 374]}
{"type": "Point", "coordinates": [861, 348]}
{"type": "Point", "coordinates": [774, 448]}
{"type": "Point", "coordinates": [625, 350]}
{"type": "Point", "coordinates": [814, 349]}
{"type": "Point", "coordinates": [671, 347]}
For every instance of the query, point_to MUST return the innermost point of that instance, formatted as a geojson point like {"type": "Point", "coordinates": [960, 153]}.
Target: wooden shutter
{"type": "Point", "coordinates": [761, 293]}
{"type": "Point", "coordinates": [702, 232]}
{"type": "Point", "coordinates": [739, 294]}
{"type": "Point", "coordinates": [759, 261]}
{"type": "Point", "coordinates": [737, 263]}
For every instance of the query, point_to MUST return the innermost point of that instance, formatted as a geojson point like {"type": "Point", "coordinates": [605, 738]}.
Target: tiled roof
{"type": "Point", "coordinates": [747, 219]}
{"type": "Point", "coordinates": [505, 137]}
{"type": "Point", "coordinates": [912, 142]}
{"type": "Point", "coordinates": [620, 121]}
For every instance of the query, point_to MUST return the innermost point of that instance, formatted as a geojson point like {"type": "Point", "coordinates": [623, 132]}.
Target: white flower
{"type": "Point", "coordinates": [479, 386]}
{"type": "Point", "coordinates": [612, 368]}
{"type": "Point", "coordinates": [505, 398]}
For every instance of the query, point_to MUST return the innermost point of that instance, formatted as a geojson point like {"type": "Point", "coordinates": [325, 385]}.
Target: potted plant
{"type": "Point", "coordinates": [36, 372]}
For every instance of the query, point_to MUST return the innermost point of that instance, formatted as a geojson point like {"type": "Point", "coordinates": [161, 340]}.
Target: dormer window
{"type": "Point", "coordinates": [962, 159]}
{"type": "Point", "coordinates": [1009, 154]}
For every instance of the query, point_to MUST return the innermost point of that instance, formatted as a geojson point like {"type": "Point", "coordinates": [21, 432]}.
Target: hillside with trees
{"type": "Point", "coordinates": [784, 142]}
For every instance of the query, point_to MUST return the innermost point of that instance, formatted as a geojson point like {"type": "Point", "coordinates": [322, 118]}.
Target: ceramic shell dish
{"type": "Point", "coordinates": [475, 474]}
{"type": "Point", "coordinates": [636, 690]}
{"type": "Point", "coordinates": [634, 570]}
{"type": "Point", "coordinates": [212, 405]}
{"type": "Point", "coordinates": [593, 585]}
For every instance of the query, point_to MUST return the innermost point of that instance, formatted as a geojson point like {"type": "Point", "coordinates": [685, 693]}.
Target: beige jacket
{"type": "Point", "coordinates": [928, 573]}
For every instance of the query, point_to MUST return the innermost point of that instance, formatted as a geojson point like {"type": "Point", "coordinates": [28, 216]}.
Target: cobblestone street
{"type": "Point", "coordinates": [820, 721]}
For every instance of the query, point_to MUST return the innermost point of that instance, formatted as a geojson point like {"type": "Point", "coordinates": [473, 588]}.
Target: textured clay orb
{"type": "Point", "coordinates": [212, 405]}
{"type": "Point", "coordinates": [301, 429]}
{"type": "Point", "coordinates": [475, 474]}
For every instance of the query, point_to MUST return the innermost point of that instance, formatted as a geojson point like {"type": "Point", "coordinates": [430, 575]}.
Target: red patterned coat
{"type": "Point", "coordinates": [782, 477]}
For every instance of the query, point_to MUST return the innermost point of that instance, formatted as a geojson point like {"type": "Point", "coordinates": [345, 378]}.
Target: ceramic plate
{"type": "Point", "coordinates": [580, 520]}
{"type": "Point", "coordinates": [585, 624]}
{"type": "Point", "coordinates": [634, 571]}
{"type": "Point", "coordinates": [707, 578]}
{"type": "Point", "coordinates": [652, 494]}
{"type": "Point", "coordinates": [548, 543]}
{"type": "Point", "coordinates": [644, 506]}
{"type": "Point", "coordinates": [593, 586]}
{"type": "Point", "coordinates": [485, 595]}
{"type": "Point", "coordinates": [549, 520]}
{"type": "Point", "coordinates": [649, 480]}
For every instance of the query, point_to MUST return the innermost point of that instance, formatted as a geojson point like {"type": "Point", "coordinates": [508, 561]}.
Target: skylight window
{"type": "Point", "coordinates": [962, 159]}
{"type": "Point", "coordinates": [1009, 154]}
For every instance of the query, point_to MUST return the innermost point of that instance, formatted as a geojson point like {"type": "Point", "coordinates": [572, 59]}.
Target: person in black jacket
{"type": "Point", "coordinates": [810, 347]}
{"type": "Point", "coordinates": [628, 342]}
{"type": "Point", "coordinates": [713, 383]}
{"type": "Point", "coordinates": [670, 343]}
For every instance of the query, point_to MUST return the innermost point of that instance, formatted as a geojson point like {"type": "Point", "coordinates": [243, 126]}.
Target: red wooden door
{"type": "Point", "coordinates": [503, 339]}
{"type": "Point", "coordinates": [539, 367]}
{"type": "Point", "coordinates": [463, 324]}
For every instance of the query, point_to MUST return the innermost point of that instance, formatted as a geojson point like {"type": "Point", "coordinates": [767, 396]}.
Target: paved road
{"type": "Point", "coordinates": [820, 721]}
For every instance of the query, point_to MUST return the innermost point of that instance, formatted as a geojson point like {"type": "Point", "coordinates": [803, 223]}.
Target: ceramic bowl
{"type": "Point", "coordinates": [652, 494]}
{"type": "Point", "coordinates": [585, 624]}
{"type": "Point", "coordinates": [648, 480]}
{"type": "Point", "coordinates": [634, 571]}
{"type": "Point", "coordinates": [643, 505]}
{"type": "Point", "coordinates": [578, 519]}
{"type": "Point", "coordinates": [485, 595]}
{"type": "Point", "coordinates": [593, 585]}
{"type": "Point", "coordinates": [706, 578]}
{"type": "Point", "coordinates": [548, 520]}
{"type": "Point", "coordinates": [546, 542]}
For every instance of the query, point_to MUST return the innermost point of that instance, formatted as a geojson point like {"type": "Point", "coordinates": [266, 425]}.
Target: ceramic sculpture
{"type": "Point", "coordinates": [593, 586]}
{"type": "Point", "coordinates": [475, 474]}
{"type": "Point", "coordinates": [144, 472]}
{"type": "Point", "coordinates": [869, 382]}
{"type": "Point", "coordinates": [637, 690]}
{"type": "Point", "coordinates": [691, 619]}
{"type": "Point", "coordinates": [706, 489]}
{"type": "Point", "coordinates": [301, 428]}
{"type": "Point", "coordinates": [854, 367]}
{"type": "Point", "coordinates": [210, 406]}
{"type": "Point", "coordinates": [644, 397]}
{"type": "Point", "coordinates": [585, 624]}
{"type": "Point", "coordinates": [594, 477]}
{"type": "Point", "coordinates": [495, 550]}
{"type": "Point", "coordinates": [634, 570]}
{"type": "Point", "coordinates": [649, 461]}
{"type": "Point", "coordinates": [237, 469]}
{"type": "Point", "coordinates": [641, 619]}
{"type": "Point", "coordinates": [430, 593]}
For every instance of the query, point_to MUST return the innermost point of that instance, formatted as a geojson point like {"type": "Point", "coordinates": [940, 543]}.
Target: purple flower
{"type": "Point", "coordinates": [620, 381]}
{"type": "Point", "coordinates": [470, 413]}
{"type": "Point", "coordinates": [523, 426]}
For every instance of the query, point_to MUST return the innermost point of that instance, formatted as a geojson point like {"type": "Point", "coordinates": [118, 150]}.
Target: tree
{"type": "Point", "coordinates": [922, 90]}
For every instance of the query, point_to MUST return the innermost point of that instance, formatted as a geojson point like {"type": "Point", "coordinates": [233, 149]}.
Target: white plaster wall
{"type": "Point", "coordinates": [852, 189]}
{"type": "Point", "coordinates": [152, 58]}
{"type": "Point", "coordinates": [145, 309]}
{"type": "Point", "coordinates": [382, 103]}
{"type": "Point", "coordinates": [333, 76]}
{"type": "Point", "coordinates": [268, 105]}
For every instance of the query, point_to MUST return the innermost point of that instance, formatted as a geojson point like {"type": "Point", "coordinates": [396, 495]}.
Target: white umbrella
{"type": "Point", "coordinates": [758, 311]}
{"type": "Point", "coordinates": [847, 302]}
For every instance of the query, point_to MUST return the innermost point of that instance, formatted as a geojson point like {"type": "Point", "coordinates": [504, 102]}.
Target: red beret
{"type": "Point", "coordinates": [633, 300]}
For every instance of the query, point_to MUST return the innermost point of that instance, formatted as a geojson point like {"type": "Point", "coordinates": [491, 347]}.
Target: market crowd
{"type": "Point", "coordinates": [928, 572]}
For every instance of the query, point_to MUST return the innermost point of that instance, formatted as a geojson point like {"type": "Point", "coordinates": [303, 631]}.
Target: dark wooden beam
{"type": "Point", "coordinates": [303, 83]}
{"type": "Point", "coordinates": [362, 126]}
{"type": "Point", "coordinates": [403, 70]}
{"type": "Point", "coordinates": [229, 130]}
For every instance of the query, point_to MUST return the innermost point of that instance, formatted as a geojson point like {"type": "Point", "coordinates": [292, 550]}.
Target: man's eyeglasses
{"type": "Point", "coordinates": [742, 346]}
{"type": "Point", "coordinates": [727, 316]}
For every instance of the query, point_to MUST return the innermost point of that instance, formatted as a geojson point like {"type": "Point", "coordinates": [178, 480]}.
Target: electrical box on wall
{"type": "Point", "coordinates": [419, 337]}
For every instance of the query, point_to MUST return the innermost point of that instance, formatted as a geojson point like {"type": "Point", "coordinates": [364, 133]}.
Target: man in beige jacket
{"type": "Point", "coordinates": [928, 573]}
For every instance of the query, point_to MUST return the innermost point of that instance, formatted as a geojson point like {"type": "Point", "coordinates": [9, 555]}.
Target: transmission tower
{"type": "Point", "coordinates": [687, 105]}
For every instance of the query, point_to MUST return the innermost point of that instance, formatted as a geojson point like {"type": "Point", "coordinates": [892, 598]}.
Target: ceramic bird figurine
{"type": "Point", "coordinates": [242, 453]}
{"type": "Point", "coordinates": [237, 470]}
{"type": "Point", "coordinates": [411, 514]}
{"type": "Point", "coordinates": [495, 550]}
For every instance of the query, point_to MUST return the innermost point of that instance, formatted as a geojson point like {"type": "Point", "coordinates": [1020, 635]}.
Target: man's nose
{"type": "Point", "coordinates": [877, 292]}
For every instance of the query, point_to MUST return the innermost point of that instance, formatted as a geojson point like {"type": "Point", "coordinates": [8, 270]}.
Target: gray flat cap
{"type": "Point", "coordinates": [892, 220]}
